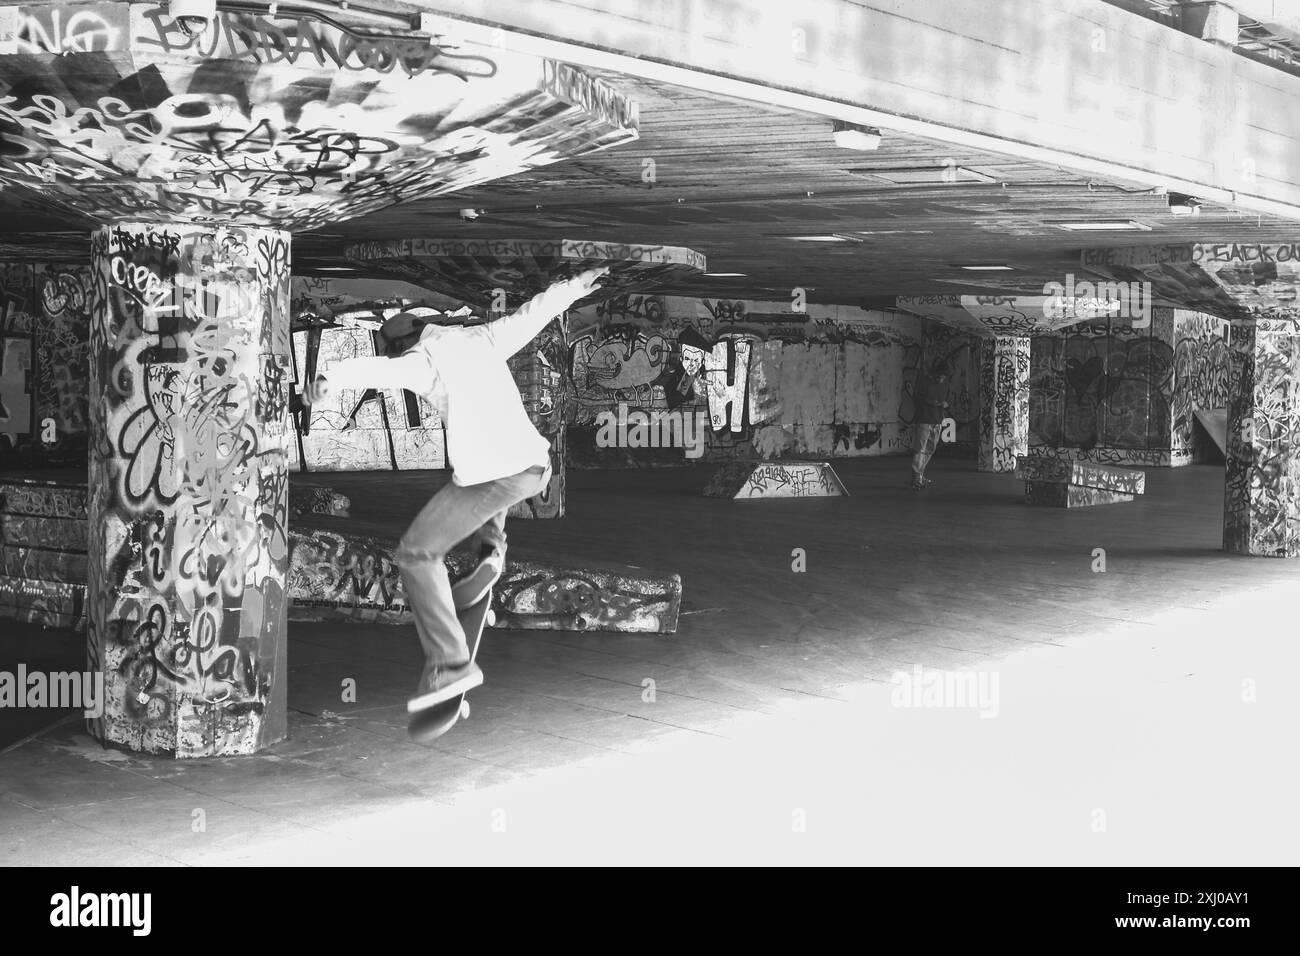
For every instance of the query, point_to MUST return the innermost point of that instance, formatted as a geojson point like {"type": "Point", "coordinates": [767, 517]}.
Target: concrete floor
{"type": "Point", "coordinates": [1144, 715]}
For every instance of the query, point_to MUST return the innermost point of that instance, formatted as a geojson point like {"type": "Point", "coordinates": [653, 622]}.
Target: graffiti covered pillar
{"type": "Point", "coordinates": [1261, 513]}
{"type": "Point", "coordinates": [1004, 401]}
{"type": "Point", "coordinates": [189, 371]}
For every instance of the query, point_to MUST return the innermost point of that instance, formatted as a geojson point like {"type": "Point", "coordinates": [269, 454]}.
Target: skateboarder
{"type": "Point", "coordinates": [497, 456]}
{"type": "Point", "coordinates": [931, 400]}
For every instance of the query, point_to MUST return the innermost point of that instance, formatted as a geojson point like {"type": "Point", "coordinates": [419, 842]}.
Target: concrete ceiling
{"type": "Point", "coordinates": [735, 181]}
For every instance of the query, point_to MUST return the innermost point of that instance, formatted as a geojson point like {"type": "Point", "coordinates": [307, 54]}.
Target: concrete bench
{"type": "Point", "coordinates": [1060, 483]}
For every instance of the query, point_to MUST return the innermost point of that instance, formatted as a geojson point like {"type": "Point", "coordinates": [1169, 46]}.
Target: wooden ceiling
{"type": "Point", "coordinates": [735, 180]}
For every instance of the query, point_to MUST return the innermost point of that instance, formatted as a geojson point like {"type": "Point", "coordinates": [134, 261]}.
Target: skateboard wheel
{"type": "Point", "coordinates": [491, 619]}
{"type": "Point", "coordinates": [464, 710]}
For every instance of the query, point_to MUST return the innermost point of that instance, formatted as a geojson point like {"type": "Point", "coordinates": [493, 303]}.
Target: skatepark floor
{"type": "Point", "coordinates": [1138, 715]}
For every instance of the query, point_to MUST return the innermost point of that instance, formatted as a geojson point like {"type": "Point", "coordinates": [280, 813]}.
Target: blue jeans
{"type": "Point", "coordinates": [455, 513]}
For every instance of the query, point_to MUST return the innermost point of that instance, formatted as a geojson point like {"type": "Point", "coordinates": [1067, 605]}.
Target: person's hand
{"type": "Point", "coordinates": [317, 390]}
{"type": "Point", "coordinates": [586, 279]}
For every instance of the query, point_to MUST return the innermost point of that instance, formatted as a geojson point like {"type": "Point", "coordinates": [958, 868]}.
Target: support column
{"type": "Point", "coordinates": [1004, 401]}
{"type": "Point", "coordinates": [1261, 507]}
{"type": "Point", "coordinates": [539, 370]}
{"type": "Point", "coordinates": [188, 506]}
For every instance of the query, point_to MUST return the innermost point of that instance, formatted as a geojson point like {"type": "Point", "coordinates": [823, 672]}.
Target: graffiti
{"type": "Point", "coordinates": [239, 37]}
{"type": "Point", "coordinates": [621, 308]}
{"type": "Point", "coordinates": [1200, 375]}
{"type": "Point", "coordinates": [1041, 468]}
{"type": "Point", "coordinates": [193, 477]}
{"type": "Point", "coordinates": [309, 129]}
{"type": "Point", "coordinates": [1247, 252]}
{"type": "Point", "coordinates": [786, 479]}
{"type": "Point", "coordinates": [1097, 386]}
{"type": "Point", "coordinates": [94, 28]}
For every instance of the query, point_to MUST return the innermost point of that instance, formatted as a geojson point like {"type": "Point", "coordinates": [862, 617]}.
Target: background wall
{"type": "Point", "coordinates": [831, 382]}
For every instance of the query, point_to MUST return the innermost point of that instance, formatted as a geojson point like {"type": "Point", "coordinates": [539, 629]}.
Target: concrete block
{"type": "Point", "coordinates": [1063, 471]}
{"type": "Point", "coordinates": [1055, 494]}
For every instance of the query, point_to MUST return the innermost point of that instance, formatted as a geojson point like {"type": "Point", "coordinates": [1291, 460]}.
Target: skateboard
{"type": "Point", "coordinates": [433, 722]}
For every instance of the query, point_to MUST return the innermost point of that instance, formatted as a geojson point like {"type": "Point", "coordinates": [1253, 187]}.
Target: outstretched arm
{"type": "Point", "coordinates": [511, 333]}
{"type": "Point", "coordinates": [411, 371]}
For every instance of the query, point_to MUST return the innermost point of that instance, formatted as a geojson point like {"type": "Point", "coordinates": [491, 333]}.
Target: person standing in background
{"type": "Point", "coordinates": [931, 398]}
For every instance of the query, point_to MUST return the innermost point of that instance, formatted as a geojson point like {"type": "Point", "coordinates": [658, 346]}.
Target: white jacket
{"type": "Point", "coordinates": [462, 371]}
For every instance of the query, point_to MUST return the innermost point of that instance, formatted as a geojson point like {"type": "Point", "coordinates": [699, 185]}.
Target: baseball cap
{"type": "Point", "coordinates": [401, 325]}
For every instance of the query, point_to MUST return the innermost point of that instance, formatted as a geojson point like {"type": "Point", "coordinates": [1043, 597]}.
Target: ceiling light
{"type": "Point", "coordinates": [945, 174]}
{"type": "Point", "coordinates": [848, 136]}
{"type": "Point", "coordinates": [832, 237]}
{"type": "Point", "coordinates": [984, 267]}
{"type": "Point", "coordinates": [1099, 225]}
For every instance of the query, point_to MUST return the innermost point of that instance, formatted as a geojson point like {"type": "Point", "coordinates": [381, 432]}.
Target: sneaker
{"type": "Point", "coordinates": [448, 682]}
{"type": "Point", "coordinates": [474, 586]}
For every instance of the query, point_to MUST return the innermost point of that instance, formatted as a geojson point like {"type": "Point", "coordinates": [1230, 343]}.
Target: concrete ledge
{"type": "Point", "coordinates": [334, 576]}
{"type": "Point", "coordinates": [776, 479]}
{"type": "Point", "coordinates": [331, 576]}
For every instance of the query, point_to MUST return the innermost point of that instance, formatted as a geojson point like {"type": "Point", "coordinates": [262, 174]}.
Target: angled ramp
{"type": "Point", "coordinates": [776, 479]}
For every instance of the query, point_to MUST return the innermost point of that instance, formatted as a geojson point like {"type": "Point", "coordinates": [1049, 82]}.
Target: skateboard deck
{"type": "Point", "coordinates": [433, 722]}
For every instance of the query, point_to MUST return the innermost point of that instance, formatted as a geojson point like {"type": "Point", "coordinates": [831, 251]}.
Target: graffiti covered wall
{"type": "Point", "coordinates": [766, 381]}
{"type": "Point", "coordinates": [44, 329]}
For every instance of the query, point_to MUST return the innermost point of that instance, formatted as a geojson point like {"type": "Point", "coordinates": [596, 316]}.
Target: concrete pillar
{"type": "Point", "coordinates": [1261, 507]}
{"type": "Point", "coordinates": [539, 372]}
{"type": "Point", "coordinates": [1004, 401]}
{"type": "Point", "coordinates": [188, 507]}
